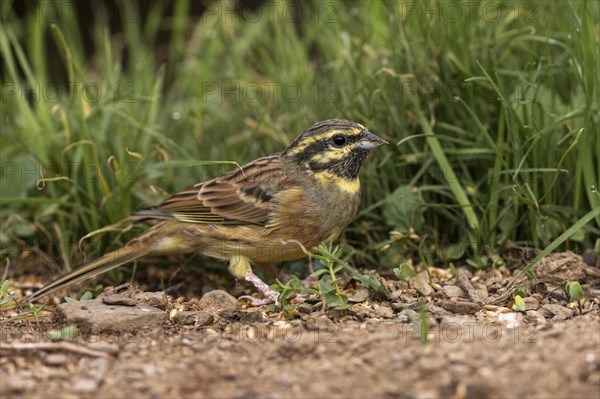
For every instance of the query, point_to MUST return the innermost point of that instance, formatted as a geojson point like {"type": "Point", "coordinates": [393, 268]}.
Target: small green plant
{"type": "Point", "coordinates": [404, 272]}
{"type": "Point", "coordinates": [519, 304]}
{"type": "Point", "coordinates": [329, 290]}
{"type": "Point", "coordinates": [575, 293]}
{"type": "Point", "coordinates": [420, 321]}
{"type": "Point", "coordinates": [7, 298]}
{"type": "Point", "coordinates": [35, 312]}
{"type": "Point", "coordinates": [479, 262]}
{"type": "Point", "coordinates": [67, 333]}
{"type": "Point", "coordinates": [521, 291]}
{"type": "Point", "coordinates": [87, 296]}
{"type": "Point", "coordinates": [290, 289]}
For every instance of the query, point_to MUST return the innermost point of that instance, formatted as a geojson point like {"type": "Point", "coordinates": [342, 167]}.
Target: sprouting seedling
{"type": "Point", "coordinates": [87, 296]}
{"type": "Point", "coordinates": [7, 298]}
{"type": "Point", "coordinates": [519, 304]}
{"type": "Point", "coordinates": [575, 293]}
{"type": "Point", "coordinates": [35, 312]}
{"type": "Point", "coordinates": [404, 272]}
{"type": "Point", "coordinates": [65, 334]}
{"type": "Point", "coordinates": [286, 291]}
{"type": "Point", "coordinates": [420, 321]}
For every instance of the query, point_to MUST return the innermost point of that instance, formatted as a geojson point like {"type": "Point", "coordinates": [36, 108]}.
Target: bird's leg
{"type": "Point", "coordinates": [240, 267]}
{"type": "Point", "coordinates": [270, 295]}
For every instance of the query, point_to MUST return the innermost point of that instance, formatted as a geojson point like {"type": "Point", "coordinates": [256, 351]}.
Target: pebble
{"type": "Point", "coordinates": [383, 312]}
{"type": "Point", "coordinates": [157, 299]}
{"type": "Point", "coordinates": [118, 299]}
{"type": "Point", "coordinates": [95, 315]}
{"type": "Point", "coordinates": [305, 308]}
{"type": "Point", "coordinates": [531, 303]}
{"type": "Point", "coordinates": [462, 307]}
{"type": "Point", "coordinates": [360, 310]}
{"type": "Point", "coordinates": [82, 385]}
{"type": "Point", "coordinates": [396, 294]}
{"type": "Point", "coordinates": [558, 312]}
{"type": "Point", "coordinates": [453, 291]}
{"type": "Point", "coordinates": [199, 319]}
{"type": "Point", "coordinates": [217, 300]}
{"type": "Point", "coordinates": [536, 317]}
{"type": "Point", "coordinates": [18, 382]}
{"type": "Point", "coordinates": [510, 320]}
{"type": "Point", "coordinates": [98, 366]}
{"type": "Point", "coordinates": [421, 285]}
{"type": "Point", "coordinates": [359, 295]}
{"type": "Point", "coordinates": [56, 359]}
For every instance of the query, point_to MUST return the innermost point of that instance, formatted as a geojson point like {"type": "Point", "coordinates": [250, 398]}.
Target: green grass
{"type": "Point", "coordinates": [493, 117]}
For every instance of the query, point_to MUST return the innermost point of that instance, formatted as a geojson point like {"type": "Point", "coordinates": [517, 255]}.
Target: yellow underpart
{"type": "Point", "coordinates": [239, 266]}
{"type": "Point", "coordinates": [347, 185]}
{"type": "Point", "coordinates": [324, 136]}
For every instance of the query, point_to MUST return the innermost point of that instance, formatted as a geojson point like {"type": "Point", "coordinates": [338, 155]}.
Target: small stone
{"type": "Point", "coordinates": [149, 369]}
{"type": "Point", "coordinates": [158, 299]}
{"type": "Point", "coordinates": [118, 299]}
{"type": "Point", "coordinates": [56, 359]}
{"type": "Point", "coordinates": [531, 303]}
{"type": "Point", "coordinates": [535, 316]}
{"type": "Point", "coordinates": [232, 315]}
{"type": "Point", "coordinates": [383, 312]}
{"type": "Point", "coordinates": [305, 308]}
{"type": "Point", "coordinates": [357, 296]}
{"type": "Point", "coordinates": [98, 317]}
{"type": "Point", "coordinates": [217, 300]}
{"type": "Point", "coordinates": [559, 312]}
{"type": "Point", "coordinates": [82, 385]}
{"type": "Point", "coordinates": [199, 319]}
{"type": "Point", "coordinates": [421, 285]}
{"type": "Point", "coordinates": [454, 291]}
{"type": "Point", "coordinates": [360, 310]}
{"type": "Point", "coordinates": [18, 382]}
{"type": "Point", "coordinates": [394, 295]}
{"type": "Point", "coordinates": [462, 307]}
{"type": "Point", "coordinates": [98, 367]}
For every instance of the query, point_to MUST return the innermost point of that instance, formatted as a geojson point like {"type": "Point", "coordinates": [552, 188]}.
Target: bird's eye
{"type": "Point", "coordinates": [338, 140]}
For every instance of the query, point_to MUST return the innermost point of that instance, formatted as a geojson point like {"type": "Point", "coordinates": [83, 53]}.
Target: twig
{"type": "Point", "coordinates": [65, 346]}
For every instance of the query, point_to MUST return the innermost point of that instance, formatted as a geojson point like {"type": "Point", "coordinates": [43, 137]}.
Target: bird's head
{"type": "Point", "coordinates": [333, 148]}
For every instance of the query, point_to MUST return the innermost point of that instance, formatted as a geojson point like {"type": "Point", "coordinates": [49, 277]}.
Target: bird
{"type": "Point", "coordinates": [273, 209]}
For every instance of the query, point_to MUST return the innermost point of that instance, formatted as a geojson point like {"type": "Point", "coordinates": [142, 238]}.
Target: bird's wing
{"type": "Point", "coordinates": [242, 196]}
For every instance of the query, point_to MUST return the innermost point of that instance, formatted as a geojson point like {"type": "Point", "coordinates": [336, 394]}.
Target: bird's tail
{"type": "Point", "coordinates": [91, 269]}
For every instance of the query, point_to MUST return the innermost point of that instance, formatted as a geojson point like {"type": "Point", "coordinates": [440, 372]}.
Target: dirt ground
{"type": "Point", "coordinates": [135, 344]}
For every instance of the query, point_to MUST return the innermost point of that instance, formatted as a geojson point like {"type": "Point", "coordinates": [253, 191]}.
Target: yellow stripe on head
{"type": "Point", "coordinates": [305, 142]}
{"type": "Point", "coordinates": [350, 186]}
{"type": "Point", "coordinates": [333, 154]}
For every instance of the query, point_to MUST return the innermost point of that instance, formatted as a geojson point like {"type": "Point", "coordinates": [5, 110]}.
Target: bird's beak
{"type": "Point", "coordinates": [369, 141]}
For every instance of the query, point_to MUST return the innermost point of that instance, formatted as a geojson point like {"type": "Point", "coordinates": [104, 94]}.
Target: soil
{"type": "Point", "coordinates": [461, 336]}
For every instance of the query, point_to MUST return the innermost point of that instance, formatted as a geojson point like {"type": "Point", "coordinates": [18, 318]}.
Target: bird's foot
{"type": "Point", "coordinates": [270, 296]}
